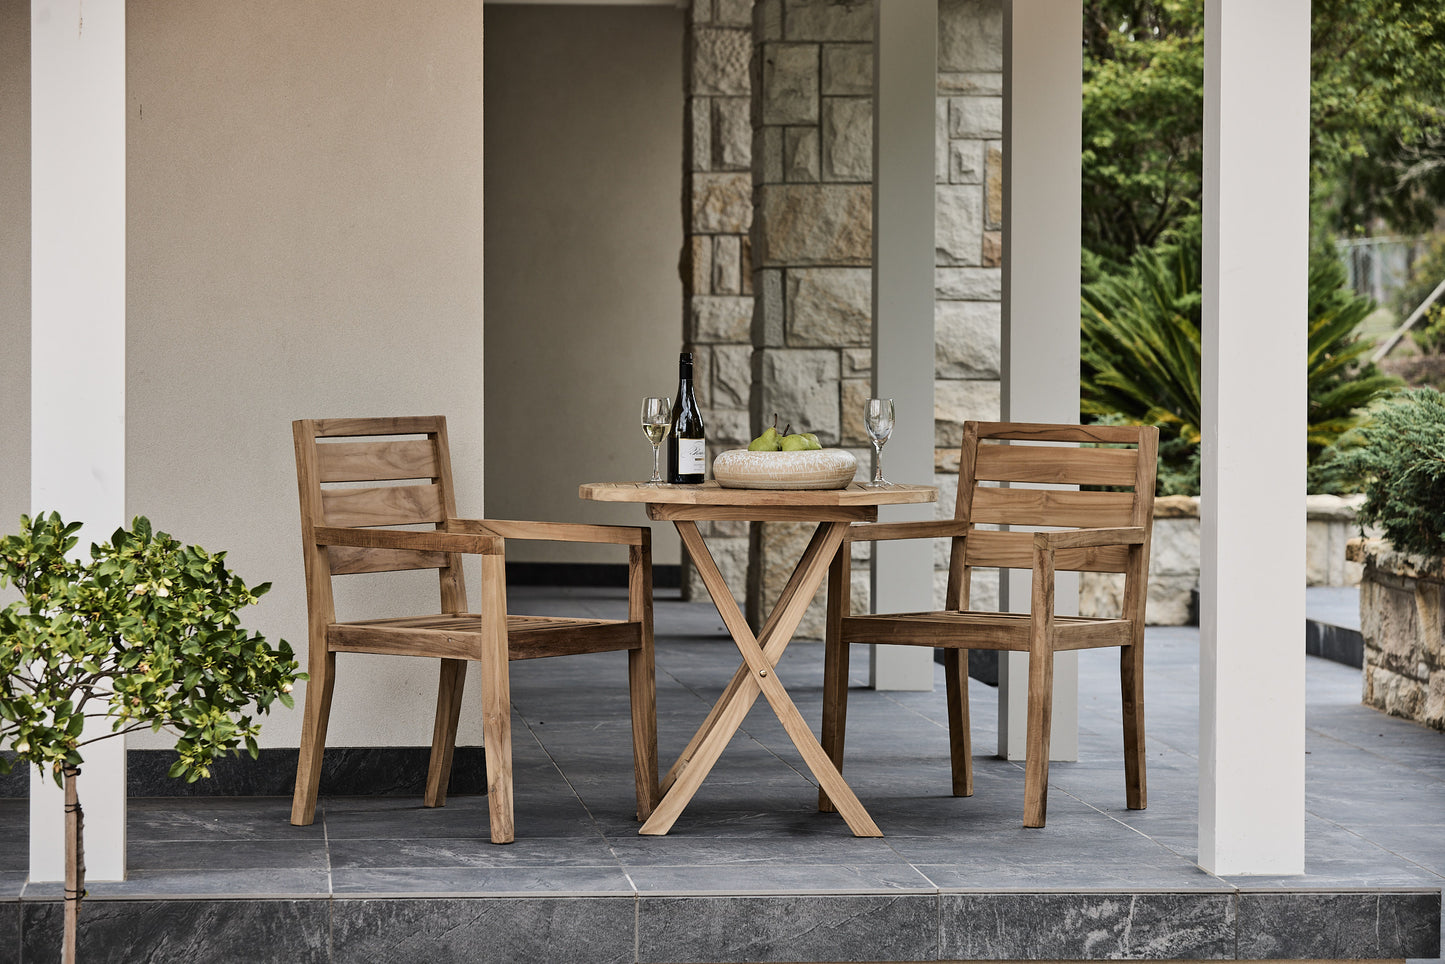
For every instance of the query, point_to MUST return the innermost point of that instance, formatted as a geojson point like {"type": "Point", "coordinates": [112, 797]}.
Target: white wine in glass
{"type": "Point", "coordinates": [879, 419]}
{"type": "Point", "coordinates": [656, 420]}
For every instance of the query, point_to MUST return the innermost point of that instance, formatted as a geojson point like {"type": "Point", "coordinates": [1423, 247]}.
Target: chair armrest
{"type": "Point", "coordinates": [1089, 538]}
{"type": "Point", "coordinates": [551, 531]}
{"type": "Point", "coordinates": [927, 529]}
{"type": "Point", "coordinates": [482, 544]}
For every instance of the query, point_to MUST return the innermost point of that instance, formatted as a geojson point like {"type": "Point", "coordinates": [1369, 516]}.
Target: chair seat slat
{"type": "Point", "coordinates": [459, 636]}
{"type": "Point", "coordinates": [981, 630]}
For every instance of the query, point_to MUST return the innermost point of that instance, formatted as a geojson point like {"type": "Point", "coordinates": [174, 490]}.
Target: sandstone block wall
{"type": "Point", "coordinates": [813, 243]}
{"type": "Point", "coordinates": [1174, 558]}
{"type": "Point", "coordinates": [716, 262]}
{"type": "Point", "coordinates": [968, 225]}
{"type": "Point", "coordinates": [1400, 617]}
{"type": "Point", "coordinates": [776, 268]}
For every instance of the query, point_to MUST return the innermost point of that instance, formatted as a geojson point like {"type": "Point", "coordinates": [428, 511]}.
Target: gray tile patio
{"type": "Point", "coordinates": [752, 871]}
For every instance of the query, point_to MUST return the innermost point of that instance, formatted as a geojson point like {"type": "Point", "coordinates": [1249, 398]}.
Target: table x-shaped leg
{"type": "Point", "coordinates": [756, 675]}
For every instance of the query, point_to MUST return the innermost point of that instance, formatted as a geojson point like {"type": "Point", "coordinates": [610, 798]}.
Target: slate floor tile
{"type": "Point", "coordinates": [875, 927]}
{"type": "Point", "coordinates": [472, 852]}
{"type": "Point", "coordinates": [124, 931]}
{"type": "Point", "coordinates": [551, 881]}
{"type": "Point", "coordinates": [581, 930]}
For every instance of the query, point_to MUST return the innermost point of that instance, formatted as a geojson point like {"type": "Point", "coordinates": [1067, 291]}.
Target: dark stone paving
{"type": "Point", "coordinates": [752, 871]}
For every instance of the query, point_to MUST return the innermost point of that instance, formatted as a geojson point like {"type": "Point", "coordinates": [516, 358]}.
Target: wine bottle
{"type": "Point", "coordinates": [686, 439]}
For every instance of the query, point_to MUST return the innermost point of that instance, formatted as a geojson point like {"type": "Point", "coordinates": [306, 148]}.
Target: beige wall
{"type": "Point", "coordinates": [304, 240]}
{"type": "Point", "coordinates": [583, 230]}
{"type": "Point", "coordinates": [14, 262]}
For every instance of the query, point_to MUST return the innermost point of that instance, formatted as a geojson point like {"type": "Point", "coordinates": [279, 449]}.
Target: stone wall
{"type": "Point", "coordinates": [1174, 558]}
{"type": "Point", "coordinates": [716, 267]}
{"type": "Point", "coordinates": [1400, 617]}
{"type": "Point", "coordinates": [812, 241]}
{"type": "Point", "coordinates": [1329, 526]}
{"type": "Point", "coordinates": [968, 226]}
{"type": "Point", "coordinates": [1173, 569]}
{"type": "Point", "coordinates": [812, 236]}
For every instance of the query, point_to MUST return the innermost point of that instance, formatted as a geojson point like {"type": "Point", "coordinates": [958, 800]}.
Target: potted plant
{"type": "Point", "coordinates": [1398, 457]}
{"type": "Point", "coordinates": [144, 633]}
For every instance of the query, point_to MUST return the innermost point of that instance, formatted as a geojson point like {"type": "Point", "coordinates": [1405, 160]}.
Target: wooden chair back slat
{"type": "Point", "coordinates": [392, 505]}
{"type": "Point", "coordinates": [1037, 432]}
{"type": "Point", "coordinates": [1074, 462]}
{"type": "Point", "coordinates": [1055, 466]}
{"type": "Point", "coordinates": [1052, 507]}
{"type": "Point", "coordinates": [348, 560]}
{"type": "Point", "coordinates": [377, 461]}
{"type": "Point", "coordinates": [1015, 550]}
{"type": "Point", "coordinates": [360, 427]}
{"type": "Point", "coordinates": [377, 450]}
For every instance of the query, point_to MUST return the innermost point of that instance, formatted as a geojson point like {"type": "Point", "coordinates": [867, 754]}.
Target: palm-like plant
{"type": "Point", "coordinates": [1141, 342]}
{"type": "Point", "coordinates": [1141, 351]}
{"type": "Point", "coordinates": [1341, 383]}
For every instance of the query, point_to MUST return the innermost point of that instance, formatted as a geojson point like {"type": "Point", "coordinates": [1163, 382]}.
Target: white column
{"type": "Point", "coordinates": [905, 86]}
{"type": "Point", "coordinates": [1256, 243]}
{"type": "Point", "coordinates": [1043, 133]}
{"type": "Point", "coordinates": [77, 412]}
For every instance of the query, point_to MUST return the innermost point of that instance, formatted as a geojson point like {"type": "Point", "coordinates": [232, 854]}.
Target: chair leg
{"type": "Point", "coordinates": [955, 671]}
{"type": "Point", "coordinates": [642, 687]}
{"type": "Point", "coordinates": [1040, 723]}
{"type": "Point", "coordinates": [313, 738]}
{"type": "Point", "coordinates": [835, 667]}
{"type": "Point", "coordinates": [444, 730]}
{"type": "Point", "coordinates": [496, 699]}
{"type": "Point", "coordinates": [1131, 678]}
{"type": "Point", "coordinates": [642, 678]}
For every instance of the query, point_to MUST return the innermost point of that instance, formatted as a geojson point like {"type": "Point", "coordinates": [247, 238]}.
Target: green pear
{"type": "Point", "coordinates": [769, 440]}
{"type": "Point", "coordinates": [794, 443]}
{"type": "Point", "coordinates": [813, 443]}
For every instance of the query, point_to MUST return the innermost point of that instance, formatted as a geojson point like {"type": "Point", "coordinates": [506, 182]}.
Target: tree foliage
{"type": "Point", "coordinates": [1377, 105]}
{"type": "Point", "coordinates": [145, 634]}
{"type": "Point", "coordinates": [1377, 112]}
{"type": "Point", "coordinates": [1143, 121]}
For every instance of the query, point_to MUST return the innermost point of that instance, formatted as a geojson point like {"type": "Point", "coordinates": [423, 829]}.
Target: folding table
{"type": "Point", "coordinates": [832, 510]}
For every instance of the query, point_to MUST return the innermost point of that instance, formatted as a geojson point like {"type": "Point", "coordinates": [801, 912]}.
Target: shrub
{"type": "Point", "coordinates": [1399, 456]}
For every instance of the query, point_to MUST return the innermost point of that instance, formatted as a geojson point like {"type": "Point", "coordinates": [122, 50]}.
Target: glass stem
{"type": "Point", "coordinates": [878, 462]}
{"type": "Point", "coordinates": [656, 468]}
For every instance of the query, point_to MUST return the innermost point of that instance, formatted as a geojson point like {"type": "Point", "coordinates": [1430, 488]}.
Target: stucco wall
{"type": "Point", "coordinates": [584, 172]}
{"type": "Point", "coordinates": [14, 262]}
{"type": "Point", "coordinates": [304, 240]}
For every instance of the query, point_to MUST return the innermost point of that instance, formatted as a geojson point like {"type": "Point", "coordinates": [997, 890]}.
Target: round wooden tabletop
{"type": "Point", "coordinates": [711, 493]}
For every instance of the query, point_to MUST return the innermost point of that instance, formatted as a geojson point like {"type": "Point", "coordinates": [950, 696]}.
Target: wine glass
{"type": "Point", "coordinates": [656, 420]}
{"type": "Point", "coordinates": [879, 419]}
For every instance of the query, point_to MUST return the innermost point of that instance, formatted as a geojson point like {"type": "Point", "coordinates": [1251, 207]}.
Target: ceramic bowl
{"type": "Point", "coordinates": [817, 469]}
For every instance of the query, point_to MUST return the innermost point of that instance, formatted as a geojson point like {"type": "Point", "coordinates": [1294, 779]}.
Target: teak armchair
{"type": "Point", "coordinates": [1099, 531]}
{"type": "Point", "coordinates": [408, 460]}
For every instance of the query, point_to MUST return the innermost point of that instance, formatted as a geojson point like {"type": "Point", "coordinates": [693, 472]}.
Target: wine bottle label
{"type": "Point", "coordinates": [691, 456]}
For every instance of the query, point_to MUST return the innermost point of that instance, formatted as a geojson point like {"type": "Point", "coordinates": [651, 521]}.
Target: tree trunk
{"type": "Point", "coordinates": [74, 863]}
